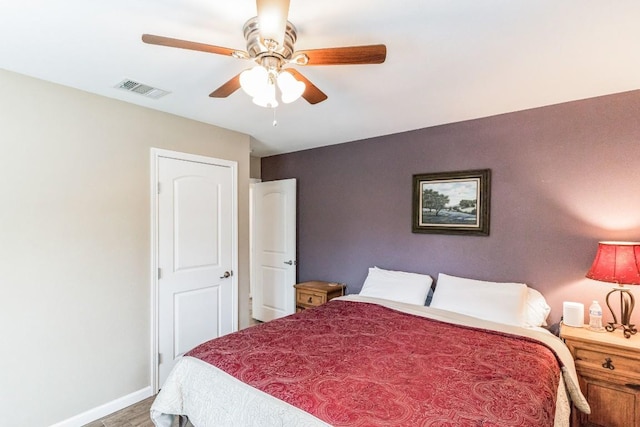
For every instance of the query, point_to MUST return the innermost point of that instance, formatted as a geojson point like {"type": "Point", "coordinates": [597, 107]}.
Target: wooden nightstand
{"type": "Point", "coordinates": [315, 293]}
{"type": "Point", "coordinates": [608, 367]}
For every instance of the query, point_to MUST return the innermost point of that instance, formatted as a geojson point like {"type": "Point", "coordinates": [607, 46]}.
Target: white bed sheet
{"type": "Point", "coordinates": [211, 397]}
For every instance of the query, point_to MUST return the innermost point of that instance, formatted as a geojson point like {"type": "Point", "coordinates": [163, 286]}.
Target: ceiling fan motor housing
{"type": "Point", "coordinates": [257, 47]}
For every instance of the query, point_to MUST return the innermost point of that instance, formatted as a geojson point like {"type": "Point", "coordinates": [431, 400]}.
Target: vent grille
{"type": "Point", "coordinates": [141, 89]}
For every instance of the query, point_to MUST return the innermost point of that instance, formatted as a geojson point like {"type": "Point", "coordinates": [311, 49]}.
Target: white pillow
{"type": "Point", "coordinates": [398, 286]}
{"type": "Point", "coordinates": [537, 309]}
{"type": "Point", "coordinates": [496, 302]}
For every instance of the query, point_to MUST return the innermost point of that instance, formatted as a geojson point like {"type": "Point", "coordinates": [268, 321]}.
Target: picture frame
{"type": "Point", "coordinates": [452, 202]}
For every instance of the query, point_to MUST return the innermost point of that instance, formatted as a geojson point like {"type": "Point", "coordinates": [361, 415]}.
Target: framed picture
{"type": "Point", "coordinates": [452, 202]}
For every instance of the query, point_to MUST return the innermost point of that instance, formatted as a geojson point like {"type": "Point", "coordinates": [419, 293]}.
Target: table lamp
{"type": "Point", "coordinates": [618, 262]}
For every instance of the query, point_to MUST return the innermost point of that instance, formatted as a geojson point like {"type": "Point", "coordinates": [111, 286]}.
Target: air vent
{"type": "Point", "coordinates": [141, 89]}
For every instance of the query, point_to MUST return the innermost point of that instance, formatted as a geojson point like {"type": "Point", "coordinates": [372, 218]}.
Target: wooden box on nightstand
{"type": "Point", "coordinates": [315, 293]}
{"type": "Point", "coordinates": [608, 367]}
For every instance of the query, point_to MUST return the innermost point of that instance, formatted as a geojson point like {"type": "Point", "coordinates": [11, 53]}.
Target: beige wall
{"type": "Point", "coordinates": [255, 168]}
{"type": "Point", "coordinates": [75, 244]}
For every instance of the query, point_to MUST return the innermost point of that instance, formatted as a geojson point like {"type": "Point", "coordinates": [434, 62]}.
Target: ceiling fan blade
{"type": "Point", "coordinates": [311, 93]}
{"type": "Point", "coordinates": [368, 54]}
{"type": "Point", "coordinates": [185, 44]}
{"type": "Point", "coordinates": [272, 19]}
{"type": "Point", "coordinates": [227, 89]}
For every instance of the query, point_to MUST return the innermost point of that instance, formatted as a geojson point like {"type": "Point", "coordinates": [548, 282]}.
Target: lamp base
{"type": "Point", "coordinates": [627, 302]}
{"type": "Point", "coordinates": [627, 330]}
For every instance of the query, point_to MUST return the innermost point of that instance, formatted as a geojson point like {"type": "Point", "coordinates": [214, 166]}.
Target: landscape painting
{"type": "Point", "coordinates": [452, 202]}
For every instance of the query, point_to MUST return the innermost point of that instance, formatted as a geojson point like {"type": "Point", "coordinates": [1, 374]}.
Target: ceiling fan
{"type": "Point", "coordinates": [270, 43]}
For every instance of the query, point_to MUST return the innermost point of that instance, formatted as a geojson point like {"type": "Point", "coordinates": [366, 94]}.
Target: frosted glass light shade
{"type": "Point", "coordinates": [290, 88]}
{"type": "Point", "coordinates": [266, 97]}
{"type": "Point", "coordinates": [254, 80]}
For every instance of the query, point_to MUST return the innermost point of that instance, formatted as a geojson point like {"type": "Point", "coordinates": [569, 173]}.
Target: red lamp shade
{"type": "Point", "coordinates": [617, 262]}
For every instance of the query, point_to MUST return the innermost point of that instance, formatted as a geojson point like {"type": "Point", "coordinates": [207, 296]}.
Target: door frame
{"type": "Point", "coordinates": [252, 181]}
{"type": "Point", "coordinates": [155, 155]}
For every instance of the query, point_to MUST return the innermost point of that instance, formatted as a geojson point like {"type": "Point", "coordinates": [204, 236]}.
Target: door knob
{"type": "Point", "coordinates": [227, 274]}
{"type": "Point", "coordinates": [290, 262]}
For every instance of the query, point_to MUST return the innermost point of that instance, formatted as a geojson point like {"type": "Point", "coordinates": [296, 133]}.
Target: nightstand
{"type": "Point", "coordinates": [608, 367]}
{"type": "Point", "coordinates": [315, 293]}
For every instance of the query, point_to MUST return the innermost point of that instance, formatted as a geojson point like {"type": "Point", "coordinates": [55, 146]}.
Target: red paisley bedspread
{"type": "Point", "coordinates": [360, 364]}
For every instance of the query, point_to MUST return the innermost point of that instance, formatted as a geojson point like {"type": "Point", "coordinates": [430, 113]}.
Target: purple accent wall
{"type": "Point", "coordinates": [563, 178]}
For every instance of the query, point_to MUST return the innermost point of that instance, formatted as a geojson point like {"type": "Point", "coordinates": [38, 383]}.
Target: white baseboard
{"type": "Point", "coordinates": [106, 409]}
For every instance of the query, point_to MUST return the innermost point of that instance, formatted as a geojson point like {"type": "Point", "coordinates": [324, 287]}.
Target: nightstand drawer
{"type": "Point", "coordinates": [310, 298]}
{"type": "Point", "coordinates": [600, 359]}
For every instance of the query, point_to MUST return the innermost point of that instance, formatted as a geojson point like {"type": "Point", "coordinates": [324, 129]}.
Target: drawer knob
{"type": "Point", "coordinates": [310, 300]}
{"type": "Point", "coordinates": [607, 364]}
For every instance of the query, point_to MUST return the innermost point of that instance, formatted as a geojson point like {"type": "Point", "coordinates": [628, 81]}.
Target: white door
{"type": "Point", "coordinates": [274, 249]}
{"type": "Point", "coordinates": [196, 255]}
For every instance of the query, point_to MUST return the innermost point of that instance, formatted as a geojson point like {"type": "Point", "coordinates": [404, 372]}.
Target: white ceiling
{"type": "Point", "coordinates": [447, 60]}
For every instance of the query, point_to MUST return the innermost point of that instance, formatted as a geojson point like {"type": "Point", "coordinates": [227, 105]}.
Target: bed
{"type": "Point", "coordinates": [361, 360]}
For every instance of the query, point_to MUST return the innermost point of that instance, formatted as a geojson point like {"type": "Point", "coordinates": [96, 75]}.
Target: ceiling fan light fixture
{"type": "Point", "coordinates": [290, 88]}
{"type": "Point", "coordinates": [260, 84]}
{"type": "Point", "coordinates": [272, 18]}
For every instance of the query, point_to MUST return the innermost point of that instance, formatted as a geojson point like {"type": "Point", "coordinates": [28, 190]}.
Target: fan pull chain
{"type": "Point", "coordinates": [275, 121]}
